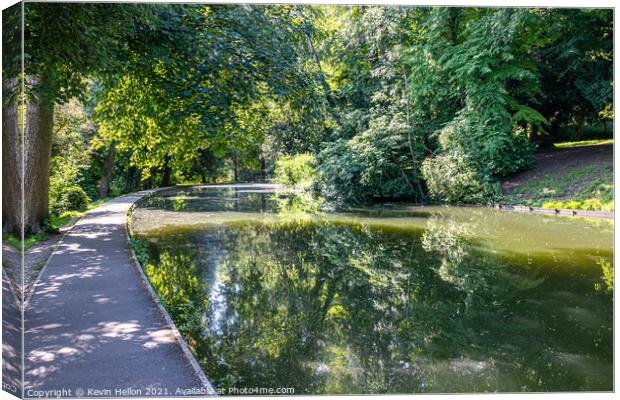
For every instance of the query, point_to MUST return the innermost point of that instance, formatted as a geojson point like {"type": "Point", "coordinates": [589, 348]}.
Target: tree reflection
{"type": "Point", "coordinates": [175, 279]}
{"type": "Point", "coordinates": [335, 307]}
{"type": "Point", "coordinates": [299, 204]}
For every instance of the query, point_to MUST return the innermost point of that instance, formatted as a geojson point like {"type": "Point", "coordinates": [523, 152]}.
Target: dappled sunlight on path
{"type": "Point", "coordinates": [11, 338]}
{"type": "Point", "coordinates": [91, 324]}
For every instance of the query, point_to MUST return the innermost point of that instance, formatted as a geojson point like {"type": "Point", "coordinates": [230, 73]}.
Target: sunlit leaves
{"type": "Point", "coordinates": [196, 80]}
{"type": "Point", "coordinates": [67, 43]}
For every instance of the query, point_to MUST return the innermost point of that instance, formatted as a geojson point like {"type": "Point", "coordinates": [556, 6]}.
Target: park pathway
{"type": "Point", "coordinates": [91, 327]}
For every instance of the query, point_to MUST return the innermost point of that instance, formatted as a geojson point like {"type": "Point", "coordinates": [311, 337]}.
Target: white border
{"type": "Point", "coordinates": [465, 3]}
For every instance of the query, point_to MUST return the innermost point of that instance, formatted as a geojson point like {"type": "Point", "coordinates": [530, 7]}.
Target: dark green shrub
{"type": "Point", "coordinates": [72, 198]}
{"type": "Point", "coordinates": [477, 150]}
{"type": "Point", "coordinates": [375, 164]}
{"type": "Point", "coordinates": [118, 186]}
{"type": "Point", "coordinates": [454, 177]}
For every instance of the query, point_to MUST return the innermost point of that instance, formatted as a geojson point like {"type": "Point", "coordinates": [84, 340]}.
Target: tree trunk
{"type": "Point", "coordinates": [134, 175]}
{"type": "Point", "coordinates": [37, 154]}
{"type": "Point", "coordinates": [235, 167]}
{"type": "Point", "coordinates": [263, 169]}
{"type": "Point", "coordinates": [11, 159]}
{"type": "Point", "coordinates": [454, 25]}
{"type": "Point", "coordinates": [148, 183]}
{"type": "Point", "coordinates": [108, 169]}
{"type": "Point", "coordinates": [579, 123]}
{"type": "Point", "coordinates": [317, 60]}
{"type": "Point", "coordinates": [165, 181]}
{"type": "Point", "coordinates": [554, 127]}
{"type": "Point", "coordinates": [533, 133]}
{"type": "Point", "coordinates": [414, 160]}
{"type": "Point", "coordinates": [313, 52]}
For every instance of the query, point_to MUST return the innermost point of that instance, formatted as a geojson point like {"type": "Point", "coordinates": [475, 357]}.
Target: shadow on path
{"type": "Point", "coordinates": [11, 339]}
{"type": "Point", "coordinates": [90, 327]}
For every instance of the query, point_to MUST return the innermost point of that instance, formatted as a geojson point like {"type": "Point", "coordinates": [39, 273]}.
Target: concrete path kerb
{"type": "Point", "coordinates": [92, 327]}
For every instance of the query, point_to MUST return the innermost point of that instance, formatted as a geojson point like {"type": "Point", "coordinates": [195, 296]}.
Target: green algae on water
{"type": "Point", "coordinates": [388, 299]}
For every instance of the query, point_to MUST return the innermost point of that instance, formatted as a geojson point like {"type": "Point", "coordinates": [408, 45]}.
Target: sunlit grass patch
{"type": "Point", "coordinates": [29, 240]}
{"type": "Point", "coordinates": [583, 143]}
{"type": "Point", "coordinates": [54, 222]}
{"type": "Point", "coordinates": [588, 204]}
{"type": "Point", "coordinates": [588, 187]}
{"type": "Point", "coordinates": [99, 202]}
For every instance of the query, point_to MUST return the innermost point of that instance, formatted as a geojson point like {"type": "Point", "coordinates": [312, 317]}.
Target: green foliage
{"type": "Point", "coordinates": [141, 249]}
{"type": "Point", "coordinates": [453, 177]}
{"type": "Point", "coordinates": [460, 81]}
{"type": "Point", "coordinates": [375, 148]}
{"type": "Point", "coordinates": [296, 171]}
{"type": "Point", "coordinates": [174, 279]}
{"type": "Point", "coordinates": [577, 69]}
{"type": "Point", "coordinates": [608, 275]}
{"type": "Point", "coordinates": [363, 169]}
{"type": "Point", "coordinates": [119, 186]}
{"type": "Point", "coordinates": [493, 152]}
{"type": "Point", "coordinates": [12, 239]}
{"type": "Point", "coordinates": [72, 198]}
{"type": "Point", "coordinates": [197, 86]}
{"type": "Point", "coordinates": [477, 66]}
{"type": "Point", "coordinates": [195, 92]}
{"type": "Point", "coordinates": [72, 163]}
{"type": "Point", "coordinates": [67, 43]}
{"type": "Point", "coordinates": [372, 165]}
{"type": "Point", "coordinates": [592, 204]}
{"type": "Point", "coordinates": [208, 166]}
{"type": "Point", "coordinates": [300, 206]}
{"type": "Point", "coordinates": [473, 73]}
{"type": "Point", "coordinates": [529, 115]}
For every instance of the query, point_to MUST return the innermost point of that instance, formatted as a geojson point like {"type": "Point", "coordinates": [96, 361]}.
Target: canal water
{"type": "Point", "coordinates": [273, 292]}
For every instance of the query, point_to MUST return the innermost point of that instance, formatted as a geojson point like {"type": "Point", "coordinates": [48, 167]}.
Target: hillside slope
{"type": "Point", "coordinates": [578, 177]}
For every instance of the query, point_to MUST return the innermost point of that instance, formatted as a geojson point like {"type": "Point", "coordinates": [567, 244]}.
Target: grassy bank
{"type": "Point", "coordinates": [53, 224]}
{"type": "Point", "coordinates": [578, 175]}
{"type": "Point", "coordinates": [583, 143]}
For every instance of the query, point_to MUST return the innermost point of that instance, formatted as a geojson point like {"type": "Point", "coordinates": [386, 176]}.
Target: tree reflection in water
{"type": "Point", "coordinates": [343, 307]}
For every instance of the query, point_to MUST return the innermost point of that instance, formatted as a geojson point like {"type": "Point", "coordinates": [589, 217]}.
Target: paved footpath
{"type": "Point", "coordinates": [11, 339]}
{"type": "Point", "coordinates": [90, 325]}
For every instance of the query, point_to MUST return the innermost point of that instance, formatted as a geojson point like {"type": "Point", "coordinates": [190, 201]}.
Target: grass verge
{"type": "Point", "coordinates": [52, 224]}
{"type": "Point", "coordinates": [583, 143]}
{"type": "Point", "coordinates": [29, 240]}
{"type": "Point", "coordinates": [588, 187]}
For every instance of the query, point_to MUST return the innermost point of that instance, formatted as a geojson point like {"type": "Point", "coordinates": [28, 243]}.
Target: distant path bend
{"type": "Point", "coordinates": [91, 326]}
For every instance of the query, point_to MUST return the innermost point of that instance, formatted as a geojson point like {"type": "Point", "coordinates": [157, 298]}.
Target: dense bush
{"type": "Point", "coordinates": [72, 198]}
{"type": "Point", "coordinates": [118, 186]}
{"type": "Point", "coordinates": [497, 149]}
{"type": "Point", "coordinates": [296, 171]}
{"type": "Point", "coordinates": [375, 164]}
{"type": "Point", "coordinates": [454, 177]}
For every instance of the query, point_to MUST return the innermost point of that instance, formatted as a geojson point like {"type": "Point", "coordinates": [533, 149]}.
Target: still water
{"type": "Point", "coordinates": [271, 292]}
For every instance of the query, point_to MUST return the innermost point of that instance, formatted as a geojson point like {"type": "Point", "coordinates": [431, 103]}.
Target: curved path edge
{"type": "Point", "coordinates": [46, 350]}
{"type": "Point", "coordinates": [204, 380]}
